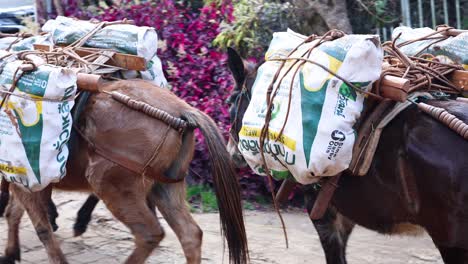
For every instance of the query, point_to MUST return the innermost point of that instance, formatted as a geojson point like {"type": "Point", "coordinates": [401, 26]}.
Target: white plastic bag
{"type": "Point", "coordinates": [125, 38]}
{"type": "Point", "coordinates": [451, 50]}
{"type": "Point", "coordinates": [154, 73]}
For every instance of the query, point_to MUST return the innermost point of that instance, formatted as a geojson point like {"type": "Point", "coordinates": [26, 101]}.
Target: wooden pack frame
{"type": "Point", "coordinates": [126, 61]}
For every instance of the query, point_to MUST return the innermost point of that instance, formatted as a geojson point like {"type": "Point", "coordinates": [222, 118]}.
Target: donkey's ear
{"type": "Point", "coordinates": [236, 65]}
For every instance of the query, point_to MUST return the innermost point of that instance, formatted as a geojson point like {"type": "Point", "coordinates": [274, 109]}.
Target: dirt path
{"type": "Point", "coordinates": [107, 241]}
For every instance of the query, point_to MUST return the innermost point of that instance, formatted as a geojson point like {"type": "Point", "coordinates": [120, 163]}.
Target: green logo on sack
{"type": "Point", "coordinates": [347, 92]}
{"type": "Point", "coordinates": [261, 111]}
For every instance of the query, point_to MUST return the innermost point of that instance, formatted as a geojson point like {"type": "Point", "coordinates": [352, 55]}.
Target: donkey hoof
{"type": "Point", "coordinates": [78, 229]}
{"type": "Point", "coordinates": [54, 227]}
{"type": "Point", "coordinates": [11, 254]}
{"type": "Point", "coordinates": [7, 260]}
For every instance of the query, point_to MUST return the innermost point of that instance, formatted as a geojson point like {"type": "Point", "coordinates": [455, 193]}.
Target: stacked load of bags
{"type": "Point", "coordinates": [451, 50]}
{"type": "Point", "coordinates": [318, 136]}
{"type": "Point", "coordinates": [123, 38]}
{"type": "Point", "coordinates": [35, 120]}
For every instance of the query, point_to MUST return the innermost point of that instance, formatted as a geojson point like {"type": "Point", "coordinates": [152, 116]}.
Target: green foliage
{"type": "Point", "coordinates": [368, 14]}
{"type": "Point", "coordinates": [380, 7]}
{"type": "Point", "coordinates": [255, 22]}
{"type": "Point", "coordinates": [202, 199]}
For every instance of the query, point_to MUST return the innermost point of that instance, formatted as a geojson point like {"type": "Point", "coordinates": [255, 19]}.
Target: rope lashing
{"type": "Point", "coordinates": [174, 122]}
{"type": "Point", "coordinates": [446, 118]}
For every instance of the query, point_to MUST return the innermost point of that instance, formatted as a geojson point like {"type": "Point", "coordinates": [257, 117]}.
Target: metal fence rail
{"type": "Point", "coordinates": [428, 13]}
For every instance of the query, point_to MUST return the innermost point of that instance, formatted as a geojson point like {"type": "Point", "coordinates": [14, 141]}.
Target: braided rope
{"type": "Point", "coordinates": [174, 122]}
{"type": "Point", "coordinates": [446, 118]}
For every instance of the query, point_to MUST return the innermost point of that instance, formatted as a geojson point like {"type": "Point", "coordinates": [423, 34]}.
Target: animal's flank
{"type": "Point", "coordinates": [179, 167]}
{"type": "Point", "coordinates": [226, 187]}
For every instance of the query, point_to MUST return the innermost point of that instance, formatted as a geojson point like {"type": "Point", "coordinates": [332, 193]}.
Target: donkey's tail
{"type": "Point", "coordinates": [226, 187]}
{"type": "Point", "coordinates": [4, 195]}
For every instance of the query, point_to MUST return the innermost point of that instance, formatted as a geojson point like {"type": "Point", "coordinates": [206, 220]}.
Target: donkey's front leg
{"type": "Point", "coordinates": [333, 230]}
{"type": "Point", "coordinates": [36, 204]}
{"type": "Point", "coordinates": [14, 212]}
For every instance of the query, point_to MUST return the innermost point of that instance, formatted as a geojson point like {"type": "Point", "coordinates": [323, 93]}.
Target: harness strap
{"type": "Point", "coordinates": [286, 188]}
{"type": "Point", "coordinates": [408, 183]}
{"type": "Point", "coordinates": [365, 132]}
{"type": "Point", "coordinates": [124, 162]}
{"type": "Point", "coordinates": [324, 197]}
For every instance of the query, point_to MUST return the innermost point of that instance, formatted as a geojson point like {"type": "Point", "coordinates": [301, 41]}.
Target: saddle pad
{"type": "Point", "coordinates": [371, 129]}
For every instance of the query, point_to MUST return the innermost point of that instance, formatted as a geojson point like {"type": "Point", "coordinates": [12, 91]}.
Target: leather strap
{"type": "Point", "coordinates": [408, 183]}
{"type": "Point", "coordinates": [287, 186]}
{"type": "Point", "coordinates": [365, 132]}
{"type": "Point", "coordinates": [122, 161]}
{"type": "Point", "coordinates": [324, 197]}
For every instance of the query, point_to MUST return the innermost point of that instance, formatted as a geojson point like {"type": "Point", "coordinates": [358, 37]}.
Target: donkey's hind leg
{"type": "Point", "coordinates": [14, 212]}
{"type": "Point", "coordinates": [83, 217]}
{"type": "Point", "coordinates": [125, 196]}
{"type": "Point", "coordinates": [132, 210]}
{"type": "Point", "coordinates": [170, 200]}
{"type": "Point", "coordinates": [36, 204]}
{"type": "Point", "coordinates": [53, 214]}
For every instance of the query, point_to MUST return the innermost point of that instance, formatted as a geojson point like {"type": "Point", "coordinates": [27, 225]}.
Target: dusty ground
{"type": "Point", "coordinates": [108, 241]}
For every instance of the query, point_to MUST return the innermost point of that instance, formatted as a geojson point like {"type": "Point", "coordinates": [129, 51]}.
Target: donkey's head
{"type": "Point", "coordinates": [244, 74]}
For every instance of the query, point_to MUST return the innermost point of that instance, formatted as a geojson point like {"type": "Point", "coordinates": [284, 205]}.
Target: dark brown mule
{"type": "Point", "coordinates": [414, 149]}
{"type": "Point", "coordinates": [133, 136]}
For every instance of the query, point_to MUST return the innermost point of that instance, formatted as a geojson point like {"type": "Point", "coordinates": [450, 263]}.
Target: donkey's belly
{"type": "Point", "coordinates": [73, 182]}
{"type": "Point", "coordinates": [75, 179]}
{"type": "Point", "coordinates": [370, 204]}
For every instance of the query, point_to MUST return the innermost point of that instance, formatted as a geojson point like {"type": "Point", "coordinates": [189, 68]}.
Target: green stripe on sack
{"type": "Point", "coordinates": [276, 174]}
{"type": "Point", "coordinates": [31, 138]}
{"type": "Point", "coordinates": [311, 107]}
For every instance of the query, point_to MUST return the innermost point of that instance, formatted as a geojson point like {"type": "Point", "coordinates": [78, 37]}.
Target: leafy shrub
{"type": "Point", "coordinates": [255, 22]}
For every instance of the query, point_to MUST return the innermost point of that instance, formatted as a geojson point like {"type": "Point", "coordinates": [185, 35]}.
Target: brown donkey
{"type": "Point", "coordinates": [123, 137]}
